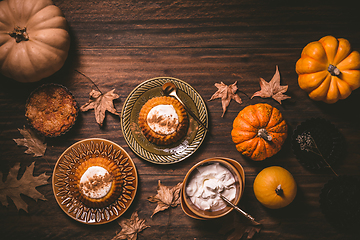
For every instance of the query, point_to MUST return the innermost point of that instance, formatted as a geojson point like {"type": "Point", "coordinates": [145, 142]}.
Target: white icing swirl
{"type": "Point", "coordinates": [95, 182]}
{"type": "Point", "coordinates": [163, 119]}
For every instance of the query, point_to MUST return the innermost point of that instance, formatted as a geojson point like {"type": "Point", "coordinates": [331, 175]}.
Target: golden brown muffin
{"type": "Point", "coordinates": [163, 120]}
{"type": "Point", "coordinates": [51, 110]}
{"type": "Point", "coordinates": [97, 182]}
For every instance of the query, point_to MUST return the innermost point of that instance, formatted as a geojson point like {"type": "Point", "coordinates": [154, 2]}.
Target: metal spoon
{"type": "Point", "coordinates": [170, 89]}
{"type": "Point", "coordinates": [248, 216]}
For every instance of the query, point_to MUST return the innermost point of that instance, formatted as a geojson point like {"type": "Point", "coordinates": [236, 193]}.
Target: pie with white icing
{"type": "Point", "coordinates": [97, 182]}
{"type": "Point", "coordinates": [163, 120]}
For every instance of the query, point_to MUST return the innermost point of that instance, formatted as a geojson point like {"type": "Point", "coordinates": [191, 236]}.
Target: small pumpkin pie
{"type": "Point", "coordinates": [51, 110]}
{"type": "Point", "coordinates": [163, 120]}
{"type": "Point", "coordinates": [98, 182]}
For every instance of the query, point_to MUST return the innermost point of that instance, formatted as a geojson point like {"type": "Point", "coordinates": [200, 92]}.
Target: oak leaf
{"type": "Point", "coordinates": [26, 185]}
{"type": "Point", "coordinates": [130, 227]}
{"type": "Point", "coordinates": [272, 88]}
{"type": "Point", "coordinates": [100, 103]}
{"type": "Point", "coordinates": [166, 197]}
{"type": "Point", "coordinates": [32, 141]}
{"type": "Point", "coordinates": [226, 93]}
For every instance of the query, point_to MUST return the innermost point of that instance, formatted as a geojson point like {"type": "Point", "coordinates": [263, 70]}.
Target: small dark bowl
{"type": "Point", "coordinates": [329, 141]}
{"type": "Point", "coordinates": [340, 202]}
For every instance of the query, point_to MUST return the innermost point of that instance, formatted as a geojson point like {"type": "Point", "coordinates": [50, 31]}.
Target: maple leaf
{"type": "Point", "coordinates": [26, 185]}
{"type": "Point", "coordinates": [272, 88]}
{"type": "Point", "coordinates": [130, 227]}
{"type": "Point", "coordinates": [100, 103]}
{"type": "Point", "coordinates": [166, 197]}
{"type": "Point", "coordinates": [226, 93]}
{"type": "Point", "coordinates": [238, 228]}
{"type": "Point", "coordinates": [33, 141]}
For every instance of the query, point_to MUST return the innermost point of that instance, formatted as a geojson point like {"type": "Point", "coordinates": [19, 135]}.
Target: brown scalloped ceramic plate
{"type": "Point", "coordinates": [65, 167]}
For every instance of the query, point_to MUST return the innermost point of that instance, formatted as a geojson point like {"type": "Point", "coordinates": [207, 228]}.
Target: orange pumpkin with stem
{"type": "Point", "coordinates": [259, 131]}
{"type": "Point", "coordinates": [275, 187]}
{"type": "Point", "coordinates": [328, 70]}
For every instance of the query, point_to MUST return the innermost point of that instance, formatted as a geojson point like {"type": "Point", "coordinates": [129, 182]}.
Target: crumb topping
{"type": "Point", "coordinates": [51, 110]}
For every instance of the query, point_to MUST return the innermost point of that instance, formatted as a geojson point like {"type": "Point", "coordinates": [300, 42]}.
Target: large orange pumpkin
{"type": "Point", "coordinates": [34, 41]}
{"type": "Point", "coordinates": [328, 70]}
{"type": "Point", "coordinates": [259, 131]}
{"type": "Point", "coordinates": [275, 187]}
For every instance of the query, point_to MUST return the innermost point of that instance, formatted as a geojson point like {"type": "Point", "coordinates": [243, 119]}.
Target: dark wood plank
{"type": "Point", "coordinates": [120, 44]}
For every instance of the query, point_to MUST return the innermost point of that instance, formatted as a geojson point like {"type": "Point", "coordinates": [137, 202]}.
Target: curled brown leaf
{"type": "Point", "coordinates": [130, 227]}
{"type": "Point", "coordinates": [226, 93]}
{"type": "Point", "coordinates": [13, 187]}
{"type": "Point", "coordinates": [101, 103]}
{"type": "Point", "coordinates": [32, 141]}
{"type": "Point", "coordinates": [238, 227]}
{"type": "Point", "coordinates": [166, 197]}
{"type": "Point", "coordinates": [272, 88]}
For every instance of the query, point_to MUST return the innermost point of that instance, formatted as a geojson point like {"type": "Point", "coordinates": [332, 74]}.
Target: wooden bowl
{"type": "Point", "coordinates": [195, 212]}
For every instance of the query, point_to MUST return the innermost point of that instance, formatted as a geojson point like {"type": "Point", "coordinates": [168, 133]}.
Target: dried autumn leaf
{"type": "Point", "coordinates": [26, 185]}
{"type": "Point", "coordinates": [272, 88]}
{"type": "Point", "coordinates": [238, 228]}
{"type": "Point", "coordinates": [130, 227]}
{"type": "Point", "coordinates": [32, 141]}
{"type": "Point", "coordinates": [100, 103]}
{"type": "Point", "coordinates": [226, 93]}
{"type": "Point", "coordinates": [166, 197]}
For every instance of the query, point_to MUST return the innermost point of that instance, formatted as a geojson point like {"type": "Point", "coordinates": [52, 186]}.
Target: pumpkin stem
{"type": "Point", "coordinates": [279, 190]}
{"type": "Point", "coordinates": [19, 34]}
{"type": "Point", "coordinates": [89, 80]}
{"type": "Point", "coordinates": [264, 134]}
{"type": "Point", "coordinates": [333, 70]}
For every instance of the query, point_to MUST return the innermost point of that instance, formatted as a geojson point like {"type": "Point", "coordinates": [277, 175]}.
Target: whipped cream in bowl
{"type": "Point", "coordinates": [204, 183]}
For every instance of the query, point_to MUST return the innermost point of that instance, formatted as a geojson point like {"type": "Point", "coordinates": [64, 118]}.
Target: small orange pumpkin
{"type": "Point", "coordinates": [328, 70]}
{"type": "Point", "coordinates": [259, 131]}
{"type": "Point", "coordinates": [275, 187]}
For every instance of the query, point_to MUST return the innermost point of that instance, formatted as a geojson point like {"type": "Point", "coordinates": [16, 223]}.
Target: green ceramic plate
{"type": "Point", "coordinates": [137, 141]}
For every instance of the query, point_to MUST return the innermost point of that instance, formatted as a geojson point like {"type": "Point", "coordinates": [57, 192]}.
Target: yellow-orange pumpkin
{"type": "Point", "coordinates": [34, 41]}
{"type": "Point", "coordinates": [275, 187]}
{"type": "Point", "coordinates": [259, 131]}
{"type": "Point", "coordinates": [328, 70]}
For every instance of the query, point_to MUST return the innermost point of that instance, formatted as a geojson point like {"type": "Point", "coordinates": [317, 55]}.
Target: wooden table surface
{"type": "Point", "coordinates": [120, 44]}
